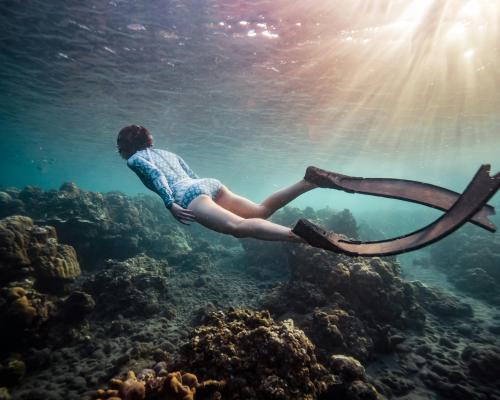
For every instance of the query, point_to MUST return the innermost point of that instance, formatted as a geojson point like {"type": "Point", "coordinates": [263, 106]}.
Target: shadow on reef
{"type": "Point", "coordinates": [145, 283]}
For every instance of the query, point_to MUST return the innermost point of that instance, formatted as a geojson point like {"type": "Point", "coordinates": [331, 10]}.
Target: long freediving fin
{"type": "Point", "coordinates": [481, 188]}
{"type": "Point", "coordinates": [416, 192]}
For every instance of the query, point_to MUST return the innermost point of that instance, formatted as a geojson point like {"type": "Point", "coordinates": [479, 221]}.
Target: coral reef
{"type": "Point", "coordinates": [168, 386]}
{"type": "Point", "coordinates": [341, 222]}
{"type": "Point", "coordinates": [146, 283]}
{"type": "Point", "coordinates": [101, 226]}
{"type": "Point", "coordinates": [28, 250]}
{"type": "Point", "coordinates": [266, 260]}
{"type": "Point", "coordinates": [261, 359]}
{"type": "Point", "coordinates": [37, 304]}
{"type": "Point", "coordinates": [441, 303]}
{"type": "Point", "coordinates": [135, 287]}
{"type": "Point", "coordinates": [35, 271]}
{"type": "Point", "coordinates": [471, 259]}
{"type": "Point", "coordinates": [346, 304]}
{"type": "Point", "coordinates": [483, 362]}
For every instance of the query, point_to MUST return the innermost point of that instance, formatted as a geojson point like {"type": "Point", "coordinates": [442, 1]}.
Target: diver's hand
{"type": "Point", "coordinates": [183, 215]}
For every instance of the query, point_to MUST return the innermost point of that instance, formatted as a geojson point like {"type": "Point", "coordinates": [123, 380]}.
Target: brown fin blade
{"type": "Point", "coordinates": [402, 189]}
{"type": "Point", "coordinates": [481, 188]}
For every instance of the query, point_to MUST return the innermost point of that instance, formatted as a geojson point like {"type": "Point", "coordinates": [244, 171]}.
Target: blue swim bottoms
{"type": "Point", "coordinates": [187, 190]}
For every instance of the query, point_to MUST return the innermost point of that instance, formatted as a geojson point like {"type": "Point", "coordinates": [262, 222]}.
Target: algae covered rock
{"type": "Point", "coordinates": [12, 372]}
{"type": "Point", "coordinates": [274, 257]}
{"type": "Point", "coordinates": [441, 303]}
{"type": "Point", "coordinates": [102, 226]}
{"type": "Point", "coordinates": [257, 357]}
{"type": "Point", "coordinates": [471, 260]}
{"type": "Point", "coordinates": [135, 287]}
{"type": "Point", "coordinates": [483, 362]}
{"type": "Point", "coordinates": [352, 382]}
{"type": "Point", "coordinates": [31, 251]}
{"type": "Point", "coordinates": [4, 394]}
{"type": "Point", "coordinates": [36, 272]}
{"type": "Point", "coordinates": [371, 286]}
{"type": "Point", "coordinates": [348, 305]}
{"type": "Point", "coordinates": [335, 330]}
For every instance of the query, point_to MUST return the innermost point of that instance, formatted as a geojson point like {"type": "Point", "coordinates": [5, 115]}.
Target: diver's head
{"type": "Point", "coordinates": [133, 138]}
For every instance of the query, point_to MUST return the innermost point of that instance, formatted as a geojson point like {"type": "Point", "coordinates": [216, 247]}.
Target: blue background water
{"type": "Point", "coordinates": [250, 92]}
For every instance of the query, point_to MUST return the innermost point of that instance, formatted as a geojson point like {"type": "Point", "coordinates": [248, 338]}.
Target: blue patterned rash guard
{"type": "Point", "coordinates": [167, 174]}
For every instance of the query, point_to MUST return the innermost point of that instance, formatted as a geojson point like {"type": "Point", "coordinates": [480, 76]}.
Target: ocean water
{"type": "Point", "coordinates": [252, 92]}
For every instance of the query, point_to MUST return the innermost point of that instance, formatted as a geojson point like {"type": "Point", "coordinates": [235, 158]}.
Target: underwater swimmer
{"type": "Point", "coordinates": [210, 203]}
{"type": "Point", "coordinates": [204, 200]}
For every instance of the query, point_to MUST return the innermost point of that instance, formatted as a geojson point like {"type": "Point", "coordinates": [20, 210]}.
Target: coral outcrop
{"type": "Point", "coordinates": [64, 335]}
{"type": "Point", "coordinates": [135, 287]}
{"type": "Point", "coordinates": [471, 260]}
{"type": "Point", "coordinates": [28, 250]}
{"type": "Point", "coordinates": [35, 271]}
{"type": "Point", "coordinates": [101, 226]}
{"type": "Point", "coordinates": [168, 386]}
{"type": "Point", "coordinates": [37, 304]}
{"type": "Point", "coordinates": [260, 358]}
{"type": "Point", "coordinates": [266, 259]}
{"type": "Point", "coordinates": [441, 303]}
{"type": "Point", "coordinates": [346, 305]}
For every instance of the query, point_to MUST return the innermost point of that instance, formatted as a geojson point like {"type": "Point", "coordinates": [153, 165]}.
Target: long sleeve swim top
{"type": "Point", "coordinates": [160, 171]}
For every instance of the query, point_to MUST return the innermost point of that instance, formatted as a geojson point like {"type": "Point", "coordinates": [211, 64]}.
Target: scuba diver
{"type": "Point", "coordinates": [207, 201]}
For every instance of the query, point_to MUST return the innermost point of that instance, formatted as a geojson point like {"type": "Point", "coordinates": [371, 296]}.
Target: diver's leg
{"type": "Point", "coordinates": [248, 209]}
{"type": "Point", "coordinates": [213, 216]}
{"type": "Point", "coordinates": [284, 196]}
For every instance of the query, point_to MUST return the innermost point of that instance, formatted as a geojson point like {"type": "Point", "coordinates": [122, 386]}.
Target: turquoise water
{"type": "Point", "coordinates": [250, 92]}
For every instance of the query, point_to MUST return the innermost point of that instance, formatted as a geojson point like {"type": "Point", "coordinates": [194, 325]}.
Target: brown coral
{"type": "Point", "coordinates": [25, 308]}
{"type": "Point", "coordinates": [129, 389]}
{"type": "Point", "coordinates": [185, 386]}
{"type": "Point", "coordinates": [173, 386]}
{"type": "Point", "coordinates": [34, 272]}
{"type": "Point", "coordinates": [27, 250]}
{"type": "Point", "coordinates": [259, 358]}
{"type": "Point", "coordinates": [14, 242]}
{"type": "Point", "coordinates": [180, 387]}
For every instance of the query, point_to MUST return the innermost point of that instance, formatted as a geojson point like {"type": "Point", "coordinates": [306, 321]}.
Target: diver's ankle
{"type": "Point", "coordinates": [308, 185]}
{"type": "Point", "coordinates": [293, 237]}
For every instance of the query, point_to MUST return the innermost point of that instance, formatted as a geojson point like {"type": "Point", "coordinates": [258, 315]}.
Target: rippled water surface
{"type": "Point", "coordinates": [251, 92]}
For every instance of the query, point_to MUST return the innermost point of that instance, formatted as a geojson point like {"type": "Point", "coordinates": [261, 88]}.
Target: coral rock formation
{"type": "Point", "coordinates": [259, 358]}
{"type": "Point", "coordinates": [471, 260]}
{"type": "Point", "coordinates": [101, 226]}
{"type": "Point", "coordinates": [172, 386]}
{"type": "Point", "coordinates": [27, 250]}
{"type": "Point", "coordinates": [136, 286]}
{"type": "Point", "coordinates": [35, 298]}
{"type": "Point", "coordinates": [345, 305]}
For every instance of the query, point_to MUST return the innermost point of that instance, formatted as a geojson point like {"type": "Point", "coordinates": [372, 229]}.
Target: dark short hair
{"type": "Point", "coordinates": [133, 138]}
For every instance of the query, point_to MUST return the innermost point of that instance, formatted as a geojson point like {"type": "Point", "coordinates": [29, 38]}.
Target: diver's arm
{"type": "Point", "coordinates": [152, 177]}
{"type": "Point", "coordinates": [186, 168]}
